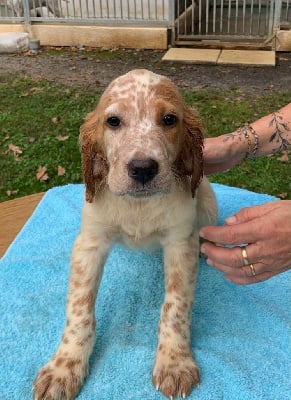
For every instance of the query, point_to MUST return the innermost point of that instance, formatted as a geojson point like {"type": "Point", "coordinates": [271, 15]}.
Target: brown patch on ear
{"type": "Point", "coordinates": [94, 163]}
{"type": "Point", "coordinates": [190, 159]}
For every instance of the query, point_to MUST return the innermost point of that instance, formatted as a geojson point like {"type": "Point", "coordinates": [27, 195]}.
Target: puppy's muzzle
{"type": "Point", "coordinates": [143, 171]}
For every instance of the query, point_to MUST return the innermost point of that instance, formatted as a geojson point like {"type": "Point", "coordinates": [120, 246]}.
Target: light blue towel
{"type": "Point", "coordinates": [241, 334]}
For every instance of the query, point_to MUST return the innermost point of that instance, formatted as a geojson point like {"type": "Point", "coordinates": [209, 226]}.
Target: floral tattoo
{"type": "Point", "coordinates": [246, 132]}
{"type": "Point", "coordinates": [279, 131]}
{"type": "Point", "coordinates": [238, 134]}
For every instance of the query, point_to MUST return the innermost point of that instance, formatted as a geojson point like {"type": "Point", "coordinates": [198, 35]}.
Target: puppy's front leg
{"type": "Point", "coordinates": [175, 371]}
{"type": "Point", "coordinates": [62, 377]}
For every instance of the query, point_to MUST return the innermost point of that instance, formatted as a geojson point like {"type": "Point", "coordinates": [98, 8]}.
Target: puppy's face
{"type": "Point", "coordinates": [140, 128]}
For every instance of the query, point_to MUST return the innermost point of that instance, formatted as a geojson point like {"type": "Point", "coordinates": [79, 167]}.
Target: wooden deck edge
{"type": "Point", "coordinates": [13, 215]}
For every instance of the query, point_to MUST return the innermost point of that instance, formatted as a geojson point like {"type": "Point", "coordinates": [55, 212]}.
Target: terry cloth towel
{"type": "Point", "coordinates": [241, 334]}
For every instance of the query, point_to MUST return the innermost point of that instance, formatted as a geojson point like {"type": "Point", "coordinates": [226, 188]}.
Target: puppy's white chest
{"type": "Point", "coordinates": [139, 232]}
{"type": "Point", "coordinates": [141, 223]}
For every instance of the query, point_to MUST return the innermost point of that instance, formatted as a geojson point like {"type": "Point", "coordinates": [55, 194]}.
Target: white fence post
{"type": "Point", "coordinates": [277, 14]}
{"type": "Point", "coordinates": [26, 11]}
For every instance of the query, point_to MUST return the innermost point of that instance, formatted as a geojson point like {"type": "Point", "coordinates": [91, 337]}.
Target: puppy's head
{"type": "Point", "coordinates": [141, 139]}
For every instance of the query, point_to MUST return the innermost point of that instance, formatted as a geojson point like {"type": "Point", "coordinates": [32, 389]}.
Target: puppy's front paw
{"type": "Point", "coordinates": [60, 379]}
{"type": "Point", "coordinates": [175, 375]}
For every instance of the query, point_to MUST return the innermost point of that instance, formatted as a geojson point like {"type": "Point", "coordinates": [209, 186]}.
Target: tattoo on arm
{"type": "Point", "coordinates": [280, 128]}
{"type": "Point", "coordinates": [238, 134]}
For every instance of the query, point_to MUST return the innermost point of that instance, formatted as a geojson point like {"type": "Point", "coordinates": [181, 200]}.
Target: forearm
{"type": "Point", "coordinates": [274, 132]}
{"type": "Point", "coordinates": [268, 135]}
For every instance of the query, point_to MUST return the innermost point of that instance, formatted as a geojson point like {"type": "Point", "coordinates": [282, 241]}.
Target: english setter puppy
{"type": "Point", "coordinates": [143, 166]}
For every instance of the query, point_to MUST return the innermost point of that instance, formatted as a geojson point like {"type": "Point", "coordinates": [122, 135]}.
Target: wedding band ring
{"type": "Point", "coordinates": [245, 256]}
{"type": "Point", "coordinates": [252, 268]}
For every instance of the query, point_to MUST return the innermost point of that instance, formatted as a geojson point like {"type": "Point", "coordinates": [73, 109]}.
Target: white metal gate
{"type": "Point", "coordinates": [188, 20]}
{"type": "Point", "coordinates": [227, 20]}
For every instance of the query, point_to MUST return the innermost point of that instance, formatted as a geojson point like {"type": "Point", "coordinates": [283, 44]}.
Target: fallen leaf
{"type": "Point", "coordinates": [7, 137]}
{"type": "Point", "coordinates": [42, 174]}
{"type": "Point", "coordinates": [61, 171]}
{"type": "Point", "coordinates": [61, 138]}
{"type": "Point", "coordinates": [283, 195]}
{"type": "Point", "coordinates": [16, 150]}
{"type": "Point", "coordinates": [11, 192]}
{"type": "Point", "coordinates": [284, 157]}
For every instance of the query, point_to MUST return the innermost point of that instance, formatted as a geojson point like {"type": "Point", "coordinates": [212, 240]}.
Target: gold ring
{"type": "Point", "coordinates": [245, 256]}
{"type": "Point", "coordinates": [252, 269]}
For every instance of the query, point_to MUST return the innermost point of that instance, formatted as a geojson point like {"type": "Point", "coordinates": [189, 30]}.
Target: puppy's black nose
{"type": "Point", "coordinates": [143, 171]}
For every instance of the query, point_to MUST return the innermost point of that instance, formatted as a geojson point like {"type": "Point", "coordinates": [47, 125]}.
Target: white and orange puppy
{"type": "Point", "coordinates": [143, 170]}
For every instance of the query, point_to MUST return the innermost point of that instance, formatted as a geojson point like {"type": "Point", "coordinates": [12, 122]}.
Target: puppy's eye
{"type": "Point", "coordinates": [114, 122]}
{"type": "Point", "coordinates": [169, 119]}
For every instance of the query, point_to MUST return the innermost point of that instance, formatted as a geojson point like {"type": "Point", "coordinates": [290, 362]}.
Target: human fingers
{"type": "Point", "coordinates": [251, 270]}
{"type": "Point", "coordinates": [248, 277]}
{"type": "Point", "coordinates": [236, 234]}
{"type": "Point", "coordinates": [222, 256]}
{"type": "Point", "coordinates": [248, 213]}
{"type": "Point", "coordinates": [247, 280]}
{"type": "Point", "coordinates": [241, 264]}
{"type": "Point", "coordinates": [243, 275]}
{"type": "Point", "coordinates": [234, 257]}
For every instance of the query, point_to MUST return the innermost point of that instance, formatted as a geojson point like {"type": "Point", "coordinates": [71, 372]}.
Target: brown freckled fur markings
{"type": "Point", "coordinates": [175, 283]}
{"type": "Point", "coordinates": [167, 307]}
{"type": "Point", "coordinates": [65, 340]}
{"type": "Point", "coordinates": [72, 363]}
{"type": "Point", "coordinates": [144, 186]}
{"type": "Point", "coordinates": [86, 300]}
{"type": "Point", "coordinates": [59, 362]}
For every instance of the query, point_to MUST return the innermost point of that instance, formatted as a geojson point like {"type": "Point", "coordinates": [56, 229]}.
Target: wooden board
{"type": "Point", "coordinates": [212, 56]}
{"type": "Point", "coordinates": [199, 56]}
{"type": "Point", "coordinates": [13, 215]}
{"type": "Point", "coordinates": [248, 57]}
{"type": "Point", "coordinates": [283, 41]}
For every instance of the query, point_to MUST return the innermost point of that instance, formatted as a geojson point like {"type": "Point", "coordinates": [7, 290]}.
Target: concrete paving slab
{"type": "Point", "coordinates": [248, 57]}
{"type": "Point", "coordinates": [198, 56]}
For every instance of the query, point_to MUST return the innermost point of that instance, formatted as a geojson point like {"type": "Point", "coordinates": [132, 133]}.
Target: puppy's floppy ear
{"type": "Point", "coordinates": [94, 163]}
{"type": "Point", "coordinates": [190, 159]}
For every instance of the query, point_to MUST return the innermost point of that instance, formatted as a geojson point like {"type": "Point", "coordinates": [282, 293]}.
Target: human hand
{"type": "Point", "coordinates": [223, 153]}
{"type": "Point", "coordinates": [267, 231]}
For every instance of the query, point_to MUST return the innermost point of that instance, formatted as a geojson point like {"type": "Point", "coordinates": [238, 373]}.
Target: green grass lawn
{"type": "Point", "coordinates": [39, 126]}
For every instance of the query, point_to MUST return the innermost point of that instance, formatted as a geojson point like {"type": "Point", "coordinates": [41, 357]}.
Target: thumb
{"type": "Point", "coordinates": [250, 213]}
